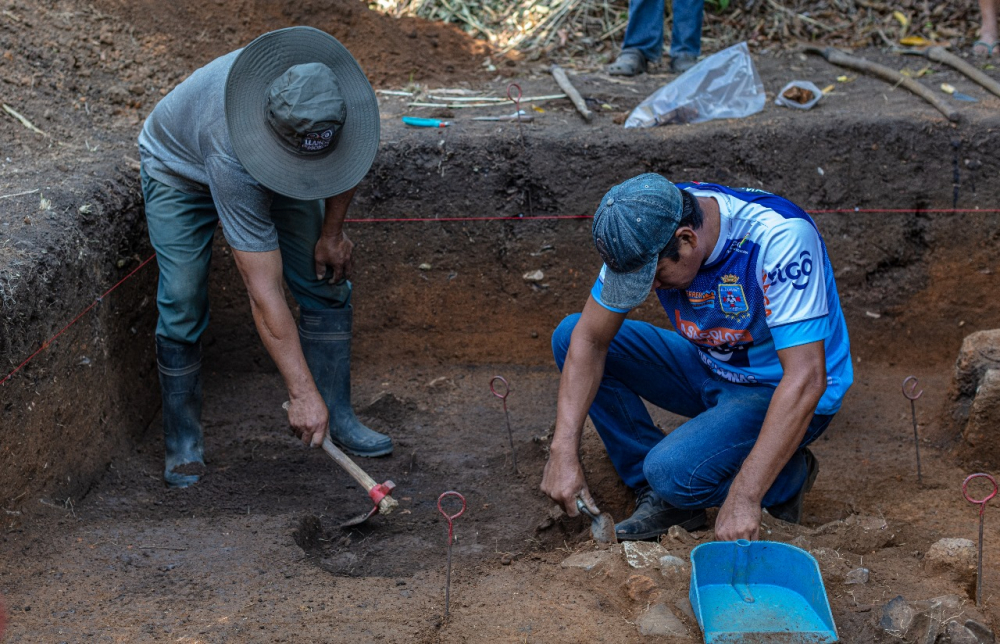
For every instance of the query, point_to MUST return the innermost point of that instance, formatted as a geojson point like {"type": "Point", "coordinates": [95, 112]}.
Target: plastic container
{"type": "Point", "coordinates": [761, 591]}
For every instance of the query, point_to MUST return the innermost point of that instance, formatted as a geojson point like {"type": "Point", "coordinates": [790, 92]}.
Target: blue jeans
{"type": "Point", "coordinates": [645, 28]}
{"type": "Point", "coordinates": [181, 228]}
{"type": "Point", "coordinates": [694, 465]}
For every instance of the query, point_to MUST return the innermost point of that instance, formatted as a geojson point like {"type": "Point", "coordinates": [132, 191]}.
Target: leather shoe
{"type": "Point", "coordinates": [653, 516]}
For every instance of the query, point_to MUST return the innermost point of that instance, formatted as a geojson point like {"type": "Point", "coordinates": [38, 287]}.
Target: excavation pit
{"type": "Point", "coordinates": [95, 548]}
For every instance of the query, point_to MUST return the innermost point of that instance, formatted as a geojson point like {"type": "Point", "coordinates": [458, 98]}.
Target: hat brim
{"type": "Point", "coordinates": [261, 153]}
{"type": "Point", "coordinates": [628, 290]}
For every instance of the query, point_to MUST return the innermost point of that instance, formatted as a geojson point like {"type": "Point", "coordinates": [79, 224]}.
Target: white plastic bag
{"type": "Point", "coordinates": [816, 92]}
{"type": "Point", "coordinates": [725, 85]}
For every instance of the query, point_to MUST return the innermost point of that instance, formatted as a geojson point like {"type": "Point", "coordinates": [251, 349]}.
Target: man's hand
{"type": "Point", "coordinates": [334, 251]}
{"type": "Point", "coordinates": [563, 482]}
{"type": "Point", "coordinates": [309, 419]}
{"type": "Point", "coordinates": [738, 519]}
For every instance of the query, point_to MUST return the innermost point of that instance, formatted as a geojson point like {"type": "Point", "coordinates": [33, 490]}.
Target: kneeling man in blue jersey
{"type": "Point", "coordinates": [759, 360]}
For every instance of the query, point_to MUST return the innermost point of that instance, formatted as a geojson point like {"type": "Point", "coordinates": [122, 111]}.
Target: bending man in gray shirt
{"type": "Point", "coordinates": [271, 141]}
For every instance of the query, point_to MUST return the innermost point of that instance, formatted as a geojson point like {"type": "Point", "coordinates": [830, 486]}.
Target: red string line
{"type": "Point", "coordinates": [535, 218]}
{"type": "Point", "coordinates": [97, 301]}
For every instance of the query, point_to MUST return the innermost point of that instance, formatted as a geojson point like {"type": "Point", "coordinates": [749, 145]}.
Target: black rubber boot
{"type": "Point", "coordinates": [653, 516]}
{"type": "Point", "coordinates": [791, 510]}
{"type": "Point", "coordinates": [326, 343]}
{"type": "Point", "coordinates": [180, 384]}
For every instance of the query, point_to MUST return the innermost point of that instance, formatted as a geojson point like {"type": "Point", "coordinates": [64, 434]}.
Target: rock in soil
{"type": "Point", "coordinates": [674, 568]}
{"type": "Point", "coordinates": [982, 634]}
{"type": "Point", "coordinates": [976, 390]}
{"type": "Point", "coordinates": [952, 555]}
{"type": "Point", "coordinates": [984, 418]}
{"type": "Point", "coordinates": [641, 588]}
{"type": "Point", "coordinates": [857, 576]}
{"type": "Point", "coordinates": [956, 633]}
{"type": "Point", "coordinates": [678, 535]}
{"type": "Point", "coordinates": [860, 534]}
{"type": "Point", "coordinates": [919, 622]}
{"type": "Point", "coordinates": [979, 353]}
{"type": "Point", "coordinates": [643, 554]}
{"type": "Point", "coordinates": [588, 560]}
{"type": "Point", "coordinates": [657, 620]}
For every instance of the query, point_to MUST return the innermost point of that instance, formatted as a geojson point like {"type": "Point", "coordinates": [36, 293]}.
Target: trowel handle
{"type": "Point", "coordinates": [582, 507]}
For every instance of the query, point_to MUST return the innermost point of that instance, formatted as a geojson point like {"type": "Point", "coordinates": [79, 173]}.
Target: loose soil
{"type": "Point", "coordinates": [96, 549]}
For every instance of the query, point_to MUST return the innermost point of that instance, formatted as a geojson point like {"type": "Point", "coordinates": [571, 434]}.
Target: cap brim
{"type": "Point", "coordinates": [628, 290]}
{"type": "Point", "coordinates": [259, 151]}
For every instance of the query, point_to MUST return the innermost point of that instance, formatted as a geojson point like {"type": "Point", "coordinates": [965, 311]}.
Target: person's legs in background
{"type": "Point", "coordinates": [643, 42]}
{"type": "Point", "coordinates": [987, 46]}
{"type": "Point", "coordinates": [685, 36]}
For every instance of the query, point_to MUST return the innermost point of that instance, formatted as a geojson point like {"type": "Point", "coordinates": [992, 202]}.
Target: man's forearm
{"type": "Point", "coordinates": [581, 378]}
{"type": "Point", "coordinates": [788, 417]}
{"type": "Point", "coordinates": [262, 275]}
{"type": "Point", "coordinates": [280, 336]}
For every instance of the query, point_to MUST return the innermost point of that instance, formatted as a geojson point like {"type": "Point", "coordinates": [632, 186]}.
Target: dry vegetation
{"type": "Point", "coordinates": [585, 29]}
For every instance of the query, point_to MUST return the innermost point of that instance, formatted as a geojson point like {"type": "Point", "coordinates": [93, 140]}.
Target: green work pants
{"type": "Point", "coordinates": [181, 228]}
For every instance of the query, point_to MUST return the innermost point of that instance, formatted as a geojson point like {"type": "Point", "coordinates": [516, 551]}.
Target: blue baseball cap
{"type": "Point", "coordinates": [633, 224]}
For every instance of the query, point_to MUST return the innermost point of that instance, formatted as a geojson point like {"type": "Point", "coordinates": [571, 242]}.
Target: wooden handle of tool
{"type": "Point", "coordinates": [563, 80]}
{"type": "Point", "coordinates": [387, 504]}
{"type": "Point", "coordinates": [942, 55]}
{"type": "Point", "coordinates": [841, 59]}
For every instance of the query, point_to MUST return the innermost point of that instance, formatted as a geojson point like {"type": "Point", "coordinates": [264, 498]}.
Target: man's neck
{"type": "Point", "coordinates": [710, 226]}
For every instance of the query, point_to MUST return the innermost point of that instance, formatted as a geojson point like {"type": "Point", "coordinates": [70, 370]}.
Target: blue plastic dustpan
{"type": "Point", "coordinates": [760, 591]}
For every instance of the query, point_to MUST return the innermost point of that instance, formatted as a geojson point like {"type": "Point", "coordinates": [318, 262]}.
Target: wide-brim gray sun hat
{"type": "Point", "coordinates": [303, 172]}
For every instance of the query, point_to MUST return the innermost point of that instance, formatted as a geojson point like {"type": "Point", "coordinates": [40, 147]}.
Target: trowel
{"type": "Point", "coordinates": [602, 526]}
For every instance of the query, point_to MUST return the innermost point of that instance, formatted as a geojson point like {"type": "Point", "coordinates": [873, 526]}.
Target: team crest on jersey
{"type": "Point", "coordinates": [732, 299]}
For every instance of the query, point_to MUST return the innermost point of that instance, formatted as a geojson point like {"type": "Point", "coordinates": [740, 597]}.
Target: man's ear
{"type": "Point", "coordinates": [687, 235]}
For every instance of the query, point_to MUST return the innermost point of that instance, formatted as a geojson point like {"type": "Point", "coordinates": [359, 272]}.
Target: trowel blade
{"type": "Point", "coordinates": [602, 528]}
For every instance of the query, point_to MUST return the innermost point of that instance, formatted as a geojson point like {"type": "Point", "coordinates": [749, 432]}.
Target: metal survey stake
{"type": "Point", "coordinates": [982, 509]}
{"type": "Point", "coordinates": [450, 517]}
{"type": "Point", "coordinates": [516, 99]}
{"type": "Point", "coordinates": [503, 397]}
{"type": "Point", "coordinates": [913, 411]}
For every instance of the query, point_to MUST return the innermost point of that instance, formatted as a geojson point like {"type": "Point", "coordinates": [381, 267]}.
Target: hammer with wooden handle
{"type": "Point", "coordinates": [379, 492]}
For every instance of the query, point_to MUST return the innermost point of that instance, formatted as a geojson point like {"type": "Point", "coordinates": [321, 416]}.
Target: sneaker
{"type": "Point", "coordinates": [791, 510]}
{"type": "Point", "coordinates": [682, 62]}
{"type": "Point", "coordinates": [653, 516]}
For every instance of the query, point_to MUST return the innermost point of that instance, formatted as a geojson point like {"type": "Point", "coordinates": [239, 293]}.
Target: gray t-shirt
{"type": "Point", "coordinates": [185, 144]}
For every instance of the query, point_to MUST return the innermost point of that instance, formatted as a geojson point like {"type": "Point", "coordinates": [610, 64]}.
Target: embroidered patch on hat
{"type": "Point", "coordinates": [316, 141]}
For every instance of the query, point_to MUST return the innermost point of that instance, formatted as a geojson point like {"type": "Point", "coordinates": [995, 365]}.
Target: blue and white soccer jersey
{"type": "Point", "coordinates": [767, 285]}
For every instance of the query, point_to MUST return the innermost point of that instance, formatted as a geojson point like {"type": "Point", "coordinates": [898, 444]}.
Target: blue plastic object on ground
{"type": "Point", "coordinates": [744, 592]}
{"type": "Point", "coordinates": [416, 121]}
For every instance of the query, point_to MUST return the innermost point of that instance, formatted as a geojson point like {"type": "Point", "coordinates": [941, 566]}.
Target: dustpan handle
{"type": "Point", "coordinates": [741, 570]}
